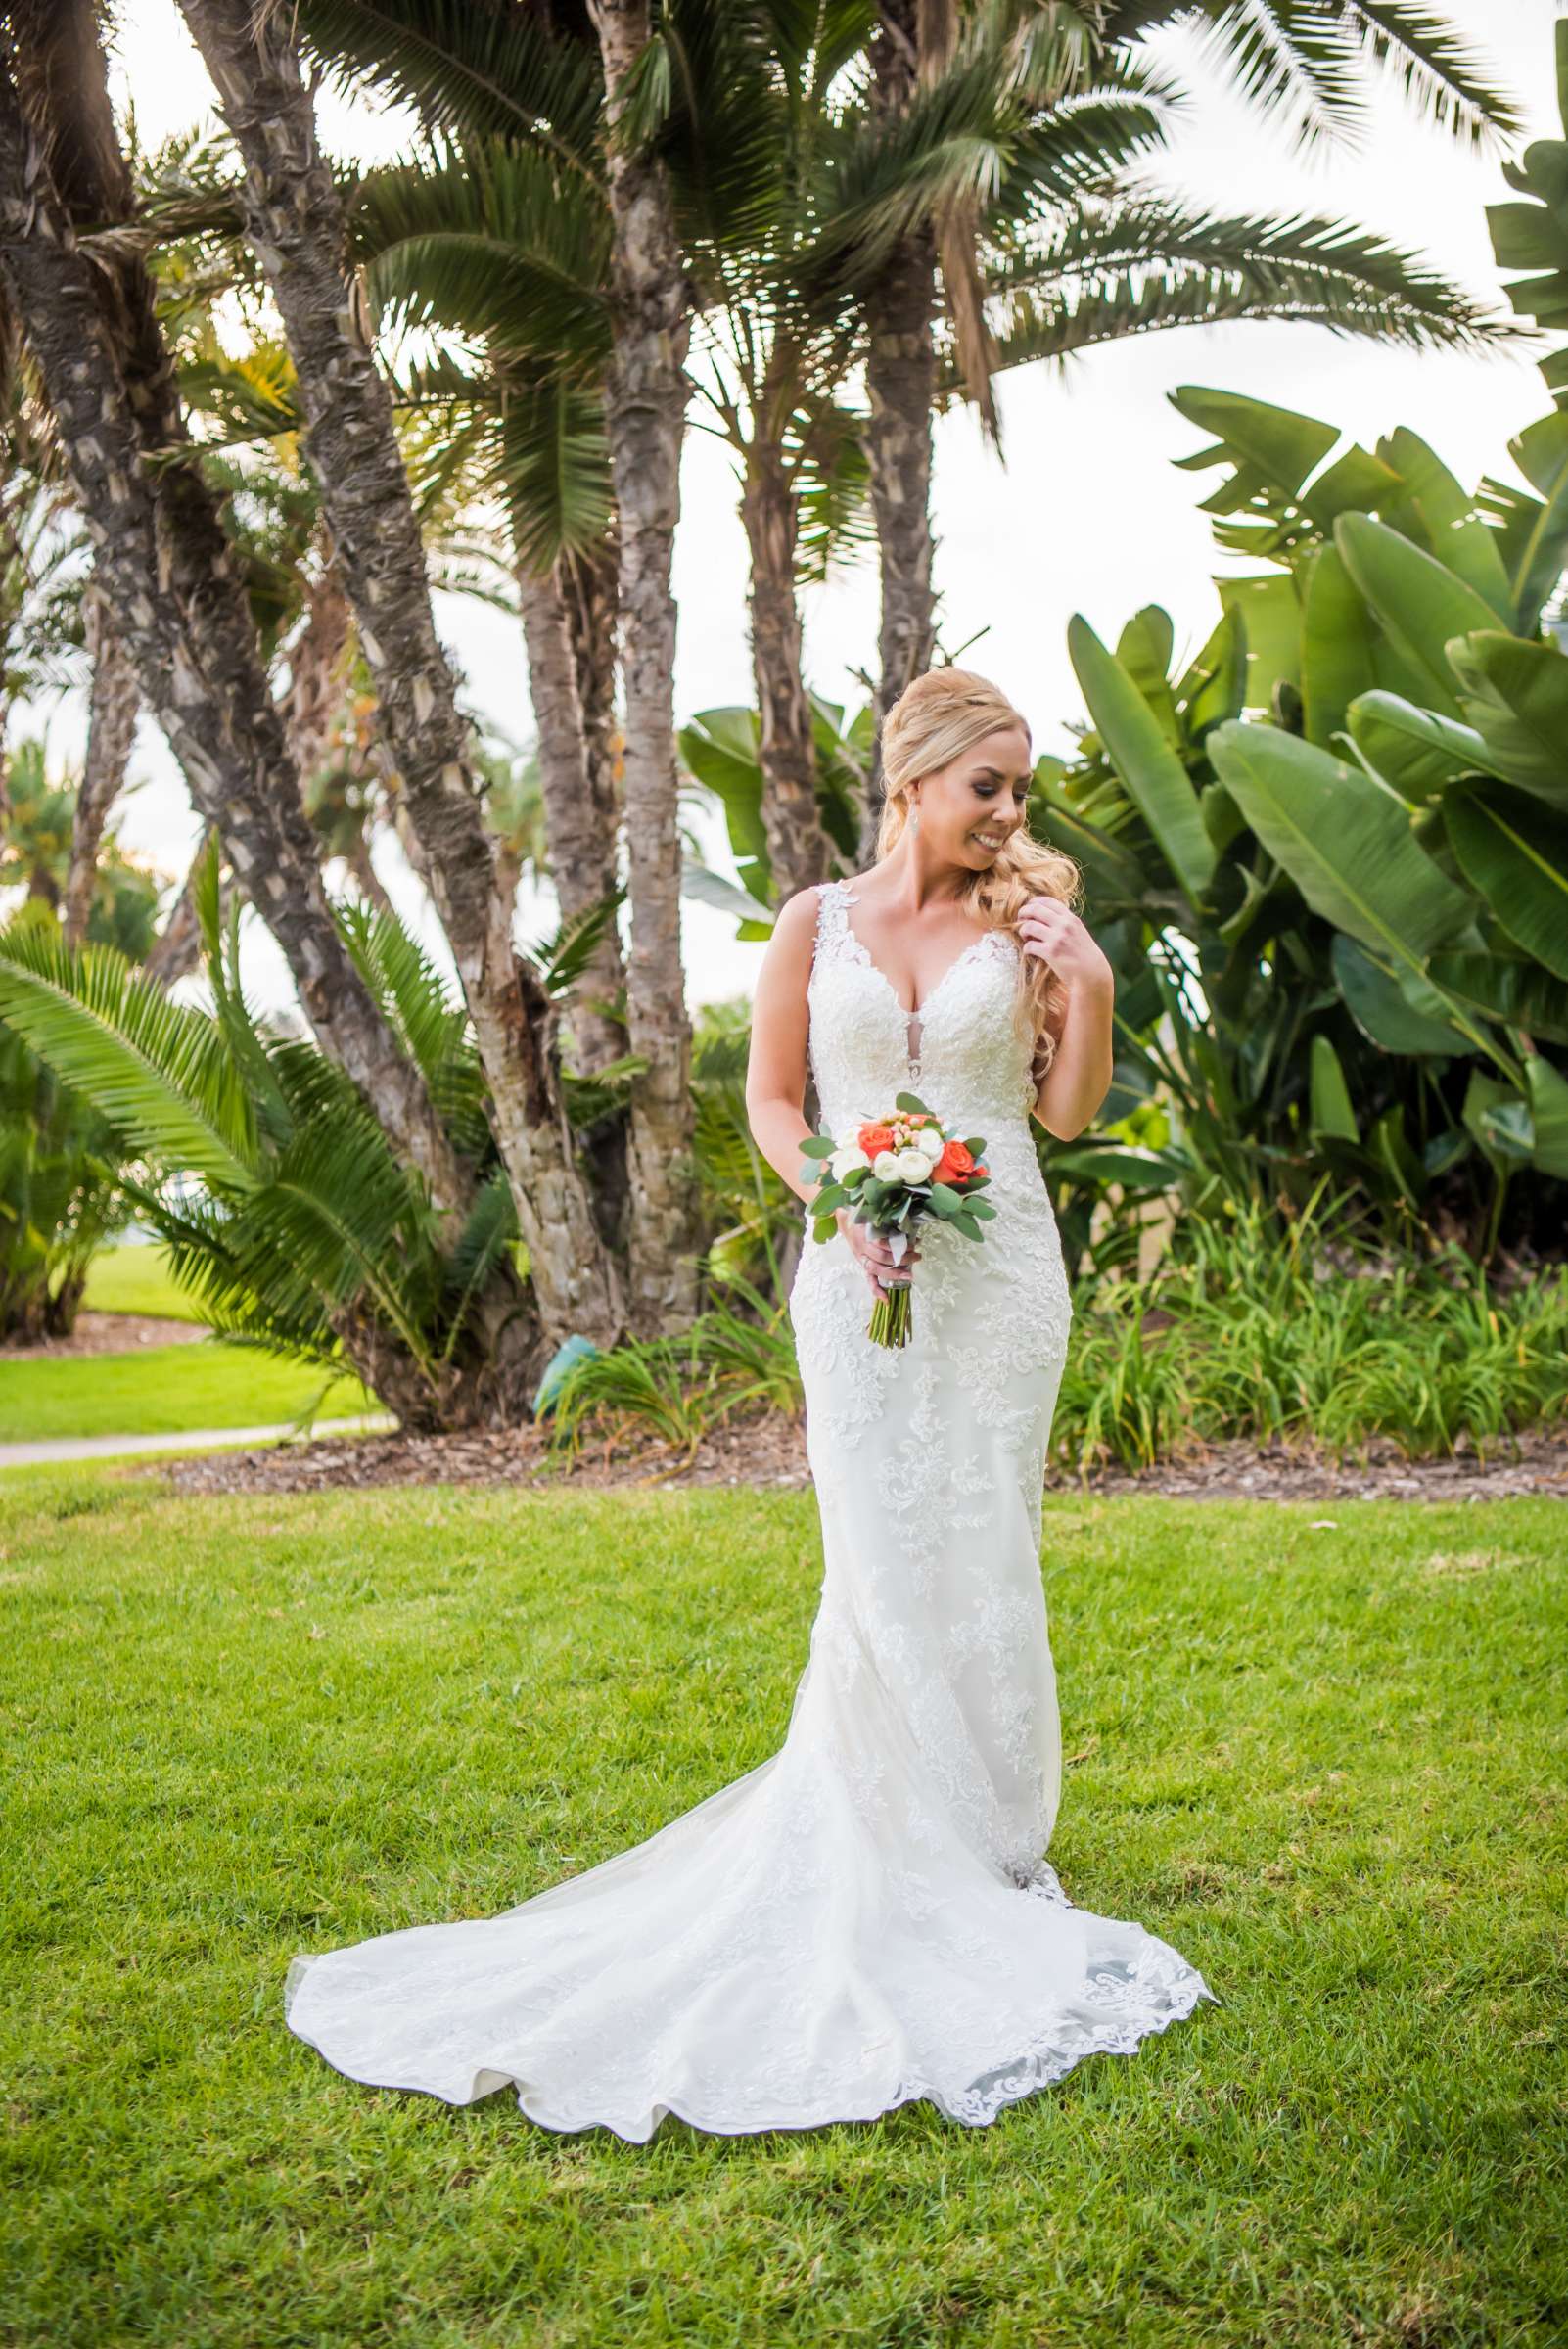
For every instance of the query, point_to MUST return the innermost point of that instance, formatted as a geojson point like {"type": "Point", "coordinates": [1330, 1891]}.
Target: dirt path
{"type": "Point", "coordinates": [61, 1451]}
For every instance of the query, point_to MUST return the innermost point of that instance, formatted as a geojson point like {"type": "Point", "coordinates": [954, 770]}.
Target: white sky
{"type": "Point", "coordinates": [1088, 513]}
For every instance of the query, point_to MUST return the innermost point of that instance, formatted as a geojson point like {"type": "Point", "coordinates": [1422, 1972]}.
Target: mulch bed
{"type": "Point", "coordinates": [769, 1451]}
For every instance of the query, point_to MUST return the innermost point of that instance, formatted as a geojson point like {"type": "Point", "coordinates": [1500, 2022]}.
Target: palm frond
{"type": "Point", "coordinates": [429, 1020]}
{"type": "Point", "coordinates": [1305, 60]}
{"type": "Point", "coordinates": [494, 243]}
{"type": "Point", "coordinates": [488, 1230]}
{"type": "Point", "coordinates": [338, 1220]}
{"type": "Point", "coordinates": [160, 1074]}
{"type": "Point", "coordinates": [474, 70]}
{"type": "Point", "coordinates": [881, 181]}
{"type": "Point", "coordinates": [551, 465]}
{"type": "Point", "coordinates": [235, 1022]}
{"type": "Point", "coordinates": [1128, 267]}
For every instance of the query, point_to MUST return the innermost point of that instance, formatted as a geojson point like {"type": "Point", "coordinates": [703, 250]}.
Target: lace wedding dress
{"type": "Point", "coordinates": [868, 1916]}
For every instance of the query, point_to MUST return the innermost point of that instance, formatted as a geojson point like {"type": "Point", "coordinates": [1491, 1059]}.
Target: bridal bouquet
{"type": "Point", "coordinates": [897, 1170]}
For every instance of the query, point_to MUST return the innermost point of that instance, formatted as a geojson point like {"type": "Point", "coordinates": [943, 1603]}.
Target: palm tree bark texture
{"type": "Point", "coordinates": [646, 403]}
{"type": "Point", "coordinates": [902, 390]}
{"type": "Point", "coordinates": [115, 699]}
{"type": "Point", "coordinates": [796, 845]}
{"type": "Point", "coordinates": [294, 224]}
{"type": "Point", "coordinates": [162, 558]}
{"type": "Point", "coordinates": [582, 842]}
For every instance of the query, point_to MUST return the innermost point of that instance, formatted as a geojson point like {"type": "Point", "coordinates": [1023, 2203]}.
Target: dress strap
{"type": "Point", "coordinates": [832, 915]}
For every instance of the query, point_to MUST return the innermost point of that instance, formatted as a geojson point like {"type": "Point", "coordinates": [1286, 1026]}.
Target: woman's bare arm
{"type": "Point", "coordinates": [775, 1074]}
{"type": "Point", "coordinates": [775, 1078]}
{"type": "Point", "coordinates": [1080, 1075]}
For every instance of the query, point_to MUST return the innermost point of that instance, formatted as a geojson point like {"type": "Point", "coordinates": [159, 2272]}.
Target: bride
{"type": "Point", "coordinates": [868, 1916]}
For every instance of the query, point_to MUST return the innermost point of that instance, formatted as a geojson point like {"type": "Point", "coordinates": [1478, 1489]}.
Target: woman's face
{"type": "Point", "coordinates": [969, 810]}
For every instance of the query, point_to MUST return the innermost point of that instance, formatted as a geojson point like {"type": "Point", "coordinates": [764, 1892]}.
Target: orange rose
{"type": "Point", "coordinates": [873, 1138]}
{"type": "Point", "coordinates": [954, 1164]}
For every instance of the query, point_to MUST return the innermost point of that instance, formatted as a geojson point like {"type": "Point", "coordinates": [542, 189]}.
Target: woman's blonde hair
{"type": "Point", "coordinates": [933, 721]}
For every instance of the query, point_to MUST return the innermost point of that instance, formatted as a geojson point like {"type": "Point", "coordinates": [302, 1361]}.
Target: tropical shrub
{"type": "Point", "coordinates": [60, 1190]}
{"type": "Point", "coordinates": [282, 1207]}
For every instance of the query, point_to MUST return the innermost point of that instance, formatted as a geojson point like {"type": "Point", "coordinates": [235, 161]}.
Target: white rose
{"type": "Point", "coordinates": [913, 1165]}
{"type": "Point", "coordinates": [929, 1139]}
{"type": "Point", "coordinates": [885, 1165]}
{"type": "Point", "coordinates": [844, 1162]}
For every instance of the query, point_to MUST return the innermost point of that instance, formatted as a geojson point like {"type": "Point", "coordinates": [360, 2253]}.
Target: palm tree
{"type": "Point", "coordinates": [160, 553]}
{"type": "Point", "coordinates": [1025, 275]}
{"type": "Point", "coordinates": [294, 224]}
{"type": "Point", "coordinates": [502, 249]}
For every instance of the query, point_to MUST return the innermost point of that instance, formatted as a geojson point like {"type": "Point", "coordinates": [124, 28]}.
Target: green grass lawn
{"type": "Point", "coordinates": [1328, 1763]}
{"type": "Point", "coordinates": [135, 1280]}
{"type": "Point", "coordinates": [160, 1389]}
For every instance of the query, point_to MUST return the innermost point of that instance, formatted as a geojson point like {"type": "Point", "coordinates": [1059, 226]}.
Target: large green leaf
{"type": "Point", "coordinates": [1135, 1168]}
{"type": "Point", "coordinates": [1514, 852]}
{"type": "Point", "coordinates": [1532, 539]}
{"type": "Point", "coordinates": [1144, 649]}
{"type": "Point", "coordinates": [1336, 654]}
{"type": "Point", "coordinates": [720, 749]}
{"type": "Point", "coordinates": [1415, 750]}
{"type": "Point", "coordinates": [1154, 777]}
{"type": "Point", "coordinates": [1382, 1011]}
{"type": "Point", "coordinates": [1548, 1109]}
{"type": "Point", "coordinates": [1330, 1112]}
{"type": "Point", "coordinates": [1512, 988]}
{"type": "Point", "coordinates": [712, 889]}
{"type": "Point", "coordinates": [1345, 840]}
{"type": "Point", "coordinates": [1267, 609]}
{"type": "Point", "coordinates": [1271, 449]}
{"type": "Point", "coordinates": [1419, 604]}
{"type": "Point", "coordinates": [1499, 1118]}
{"type": "Point", "coordinates": [1533, 236]}
{"type": "Point", "coordinates": [159, 1072]}
{"type": "Point", "coordinates": [1436, 511]}
{"type": "Point", "coordinates": [1516, 694]}
{"type": "Point", "coordinates": [1214, 687]}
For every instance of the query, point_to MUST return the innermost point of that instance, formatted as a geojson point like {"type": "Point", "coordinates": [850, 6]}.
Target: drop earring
{"type": "Point", "coordinates": [914, 821]}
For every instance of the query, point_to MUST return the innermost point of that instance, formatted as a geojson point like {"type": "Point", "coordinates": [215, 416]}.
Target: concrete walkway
{"type": "Point", "coordinates": [65, 1449]}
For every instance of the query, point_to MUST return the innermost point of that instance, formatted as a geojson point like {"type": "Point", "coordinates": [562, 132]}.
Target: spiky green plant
{"type": "Point", "coordinates": [284, 1210]}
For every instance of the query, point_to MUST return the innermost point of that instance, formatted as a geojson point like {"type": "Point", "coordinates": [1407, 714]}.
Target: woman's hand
{"type": "Point", "coordinates": [875, 1254]}
{"type": "Point", "coordinates": [1053, 931]}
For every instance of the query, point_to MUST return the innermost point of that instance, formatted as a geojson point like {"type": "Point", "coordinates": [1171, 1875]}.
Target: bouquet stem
{"type": "Point", "coordinates": [891, 1317]}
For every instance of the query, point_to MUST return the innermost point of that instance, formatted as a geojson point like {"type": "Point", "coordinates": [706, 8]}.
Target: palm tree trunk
{"type": "Point", "coordinates": [645, 408]}
{"type": "Point", "coordinates": [316, 657]}
{"type": "Point", "coordinates": [796, 845]}
{"type": "Point", "coordinates": [590, 583]}
{"type": "Point", "coordinates": [591, 589]}
{"type": "Point", "coordinates": [177, 948]}
{"type": "Point", "coordinates": [294, 222]}
{"type": "Point", "coordinates": [116, 700]}
{"type": "Point", "coordinates": [162, 557]}
{"type": "Point", "coordinates": [582, 848]}
{"type": "Point", "coordinates": [902, 387]}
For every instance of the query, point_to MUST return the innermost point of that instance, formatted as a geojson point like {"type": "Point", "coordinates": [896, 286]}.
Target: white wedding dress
{"type": "Point", "coordinates": [868, 1916]}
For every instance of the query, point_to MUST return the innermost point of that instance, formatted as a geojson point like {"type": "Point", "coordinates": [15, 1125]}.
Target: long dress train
{"type": "Point", "coordinates": [868, 1916]}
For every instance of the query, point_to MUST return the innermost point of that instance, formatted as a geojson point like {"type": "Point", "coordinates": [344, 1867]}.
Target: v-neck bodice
{"type": "Point", "coordinates": [961, 1050]}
